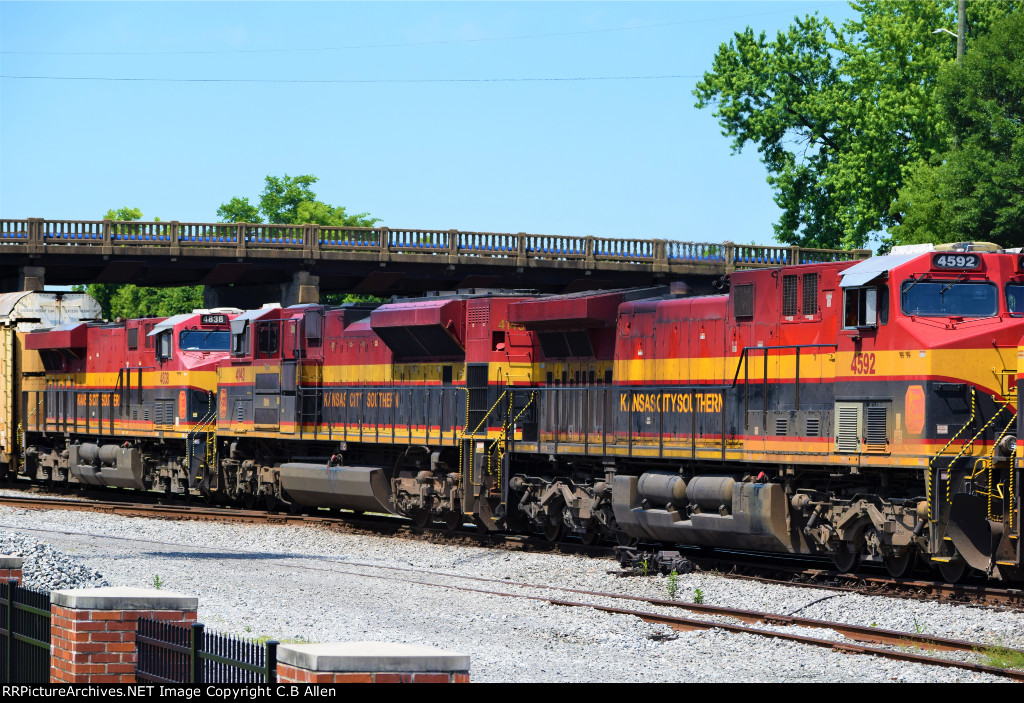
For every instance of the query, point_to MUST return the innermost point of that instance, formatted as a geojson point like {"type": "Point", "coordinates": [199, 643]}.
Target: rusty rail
{"type": "Point", "coordinates": [172, 238]}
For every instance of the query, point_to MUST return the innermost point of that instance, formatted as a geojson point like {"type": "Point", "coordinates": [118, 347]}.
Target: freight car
{"type": "Point", "coordinates": [864, 411]}
{"type": "Point", "coordinates": [21, 370]}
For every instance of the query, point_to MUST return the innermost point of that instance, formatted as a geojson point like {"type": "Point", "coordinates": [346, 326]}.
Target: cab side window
{"type": "Point", "coordinates": [865, 307]}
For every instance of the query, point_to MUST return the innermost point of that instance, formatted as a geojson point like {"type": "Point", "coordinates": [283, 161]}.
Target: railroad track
{"type": "Point", "coordinates": [739, 566]}
{"type": "Point", "coordinates": [851, 639]}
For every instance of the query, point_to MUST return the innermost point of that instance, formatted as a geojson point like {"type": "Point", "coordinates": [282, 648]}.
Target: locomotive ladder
{"type": "Point", "coordinates": [204, 422]}
{"type": "Point", "coordinates": [315, 413]}
{"type": "Point", "coordinates": [982, 465]}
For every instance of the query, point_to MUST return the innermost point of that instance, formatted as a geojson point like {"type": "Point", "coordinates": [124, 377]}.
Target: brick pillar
{"type": "Point", "coordinates": [92, 630]}
{"type": "Point", "coordinates": [369, 662]}
{"type": "Point", "coordinates": [10, 568]}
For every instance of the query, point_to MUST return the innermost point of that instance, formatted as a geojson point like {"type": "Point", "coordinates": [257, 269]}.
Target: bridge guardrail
{"type": "Point", "coordinates": [310, 241]}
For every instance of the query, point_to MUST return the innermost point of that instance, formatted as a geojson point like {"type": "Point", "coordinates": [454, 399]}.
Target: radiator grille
{"type": "Point", "coordinates": [782, 426]}
{"type": "Point", "coordinates": [789, 295]}
{"type": "Point", "coordinates": [479, 313]}
{"type": "Point", "coordinates": [743, 300]}
{"type": "Point", "coordinates": [877, 432]}
{"type": "Point", "coordinates": [266, 416]}
{"type": "Point", "coordinates": [846, 428]}
{"type": "Point", "coordinates": [810, 294]}
{"type": "Point", "coordinates": [813, 426]}
{"type": "Point", "coordinates": [268, 382]}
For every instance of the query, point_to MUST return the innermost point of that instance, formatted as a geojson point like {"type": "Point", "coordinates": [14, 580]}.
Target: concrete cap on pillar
{"type": "Point", "coordinates": [370, 657]}
{"type": "Point", "coordinates": [7, 562]}
{"type": "Point", "coordinates": [120, 598]}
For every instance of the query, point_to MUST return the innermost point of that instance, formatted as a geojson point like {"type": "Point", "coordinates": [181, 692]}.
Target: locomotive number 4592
{"type": "Point", "coordinates": [957, 261]}
{"type": "Point", "coordinates": [863, 363]}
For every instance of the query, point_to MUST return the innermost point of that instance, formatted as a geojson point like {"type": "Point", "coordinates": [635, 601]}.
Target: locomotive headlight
{"type": "Point", "coordinates": [1007, 445]}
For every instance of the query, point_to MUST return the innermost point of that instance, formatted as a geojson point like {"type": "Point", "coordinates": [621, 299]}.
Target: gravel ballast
{"type": "Point", "coordinates": [310, 583]}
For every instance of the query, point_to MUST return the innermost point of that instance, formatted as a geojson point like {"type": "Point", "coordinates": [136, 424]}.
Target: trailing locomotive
{"type": "Point", "coordinates": [865, 411]}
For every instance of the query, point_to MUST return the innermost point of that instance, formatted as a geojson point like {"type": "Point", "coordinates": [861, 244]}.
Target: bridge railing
{"type": "Point", "coordinates": [306, 240]}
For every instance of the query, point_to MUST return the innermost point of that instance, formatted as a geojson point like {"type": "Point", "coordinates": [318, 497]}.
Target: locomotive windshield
{"type": "Point", "coordinates": [1015, 298]}
{"type": "Point", "coordinates": [952, 298]}
{"type": "Point", "coordinates": [204, 340]}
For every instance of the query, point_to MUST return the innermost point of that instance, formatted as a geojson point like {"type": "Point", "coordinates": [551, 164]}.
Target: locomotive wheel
{"type": "Point", "coordinates": [590, 537]}
{"type": "Point", "coordinates": [452, 520]}
{"type": "Point", "coordinates": [420, 517]}
{"type": "Point", "coordinates": [624, 540]}
{"type": "Point", "coordinates": [846, 558]}
{"type": "Point", "coordinates": [899, 565]}
{"type": "Point", "coordinates": [553, 530]}
{"type": "Point", "coordinates": [953, 571]}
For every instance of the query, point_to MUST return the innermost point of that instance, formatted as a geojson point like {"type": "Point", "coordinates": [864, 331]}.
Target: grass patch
{"type": "Point", "coordinates": [1002, 657]}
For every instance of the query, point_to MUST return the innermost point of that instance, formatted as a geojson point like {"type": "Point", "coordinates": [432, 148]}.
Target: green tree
{"type": "Point", "coordinates": [840, 114]}
{"type": "Point", "coordinates": [975, 190]}
{"type": "Point", "coordinates": [129, 300]}
{"type": "Point", "coordinates": [288, 200]}
{"type": "Point", "coordinates": [239, 210]}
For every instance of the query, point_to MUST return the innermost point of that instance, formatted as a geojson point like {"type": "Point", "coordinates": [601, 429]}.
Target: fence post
{"type": "Point", "coordinates": [384, 254]}
{"type": "Point", "coordinates": [795, 258]}
{"type": "Point", "coordinates": [453, 246]}
{"type": "Point", "coordinates": [197, 648]}
{"type": "Point", "coordinates": [93, 630]}
{"type": "Point", "coordinates": [36, 240]}
{"type": "Point", "coordinates": [271, 672]}
{"type": "Point", "coordinates": [108, 238]}
{"type": "Point", "coordinates": [521, 249]}
{"type": "Point", "coordinates": [241, 232]}
{"type": "Point", "coordinates": [9, 625]}
{"type": "Point", "coordinates": [730, 256]}
{"type": "Point", "coordinates": [588, 251]}
{"type": "Point", "coordinates": [10, 568]}
{"type": "Point", "coordinates": [660, 252]}
{"type": "Point", "coordinates": [313, 237]}
{"type": "Point", "coordinates": [173, 231]}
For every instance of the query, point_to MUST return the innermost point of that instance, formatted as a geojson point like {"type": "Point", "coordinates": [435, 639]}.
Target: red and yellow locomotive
{"type": "Point", "coordinates": [865, 411]}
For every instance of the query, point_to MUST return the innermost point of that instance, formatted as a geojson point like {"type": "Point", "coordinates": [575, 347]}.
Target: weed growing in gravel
{"type": "Point", "coordinates": [920, 627]}
{"type": "Point", "coordinates": [672, 586]}
{"type": "Point", "coordinates": [1002, 657]}
{"type": "Point", "coordinates": [158, 583]}
{"type": "Point", "coordinates": [645, 567]}
{"type": "Point", "coordinates": [263, 639]}
{"type": "Point", "coordinates": [698, 596]}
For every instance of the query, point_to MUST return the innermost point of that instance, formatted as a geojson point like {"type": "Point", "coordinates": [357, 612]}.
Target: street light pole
{"type": "Point", "coordinates": [961, 29]}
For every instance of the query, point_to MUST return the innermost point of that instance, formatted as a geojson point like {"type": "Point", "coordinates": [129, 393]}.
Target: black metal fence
{"type": "Point", "coordinates": [171, 653]}
{"type": "Point", "coordinates": [24, 634]}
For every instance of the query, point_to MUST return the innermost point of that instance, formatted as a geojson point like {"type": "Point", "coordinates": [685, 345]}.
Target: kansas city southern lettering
{"type": "Point", "coordinates": [372, 399]}
{"type": "Point", "coordinates": [671, 402]}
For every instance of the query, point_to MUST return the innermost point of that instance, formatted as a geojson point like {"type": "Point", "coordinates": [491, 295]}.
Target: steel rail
{"type": "Point", "coordinates": [903, 640]}
{"type": "Point", "coordinates": [861, 584]}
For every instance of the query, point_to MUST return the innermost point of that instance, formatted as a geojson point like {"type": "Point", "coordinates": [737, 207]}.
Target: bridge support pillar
{"type": "Point", "coordinates": [31, 278]}
{"type": "Point", "coordinates": [303, 288]}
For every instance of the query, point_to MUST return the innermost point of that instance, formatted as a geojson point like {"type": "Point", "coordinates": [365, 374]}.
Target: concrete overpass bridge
{"type": "Point", "coordinates": [247, 264]}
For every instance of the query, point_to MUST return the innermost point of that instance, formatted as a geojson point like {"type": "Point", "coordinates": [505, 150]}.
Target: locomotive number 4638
{"type": "Point", "coordinates": [863, 363]}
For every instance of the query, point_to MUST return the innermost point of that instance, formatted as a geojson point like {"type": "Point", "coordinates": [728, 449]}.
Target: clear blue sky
{"type": "Point", "coordinates": [600, 157]}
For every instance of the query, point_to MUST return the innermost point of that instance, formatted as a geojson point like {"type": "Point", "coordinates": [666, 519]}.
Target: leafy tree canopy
{"type": "Point", "coordinates": [840, 115]}
{"type": "Point", "coordinates": [975, 190]}
{"type": "Point", "coordinates": [291, 201]}
{"type": "Point", "coordinates": [129, 300]}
